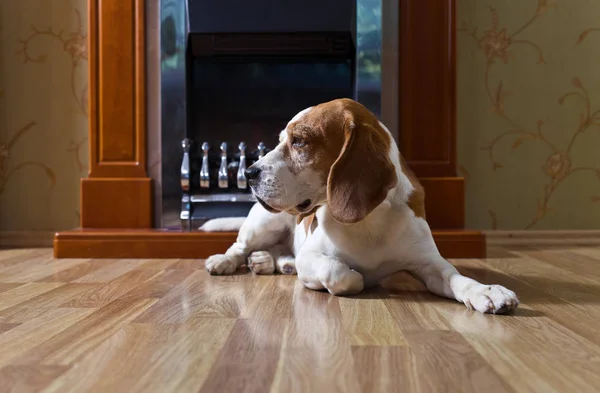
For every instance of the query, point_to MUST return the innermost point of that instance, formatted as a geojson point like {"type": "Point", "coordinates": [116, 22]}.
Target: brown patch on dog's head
{"type": "Point", "coordinates": [315, 140]}
{"type": "Point", "coordinates": [343, 144]}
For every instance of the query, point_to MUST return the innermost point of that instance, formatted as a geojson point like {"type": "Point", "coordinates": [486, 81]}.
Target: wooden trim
{"type": "Point", "coordinates": [26, 239]}
{"type": "Point", "coordinates": [116, 203]}
{"type": "Point", "coordinates": [444, 202]}
{"type": "Point", "coordinates": [117, 84]}
{"type": "Point", "coordinates": [543, 238]}
{"type": "Point", "coordinates": [117, 88]}
{"type": "Point", "coordinates": [174, 244]}
{"type": "Point", "coordinates": [427, 99]}
{"type": "Point", "coordinates": [117, 193]}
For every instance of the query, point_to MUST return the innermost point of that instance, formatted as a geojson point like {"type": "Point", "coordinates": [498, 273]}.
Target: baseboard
{"type": "Point", "coordinates": [38, 239]}
{"type": "Point", "coordinates": [543, 238]}
{"type": "Point", "coordinates": [26, 239]}
{"type": "Point", "coordinates": [123, 243]}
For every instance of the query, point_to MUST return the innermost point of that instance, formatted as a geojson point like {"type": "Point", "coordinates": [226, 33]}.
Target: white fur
{"type": "Point", "coordinates": [225, 224]}
{"type": "Point", "coordinates": [343, 259]}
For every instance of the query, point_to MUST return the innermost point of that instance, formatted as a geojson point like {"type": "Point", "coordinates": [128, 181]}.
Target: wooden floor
{"type": "Point", "coordinates": [167, 326]}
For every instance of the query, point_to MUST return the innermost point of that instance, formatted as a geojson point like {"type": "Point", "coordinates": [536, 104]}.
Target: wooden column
{"type": "Point", "coordinates": [117, 193]}
{"type": "Point", "coordinates": [427, 106]}
{"type": "Point", "coordinates": [427, 115]}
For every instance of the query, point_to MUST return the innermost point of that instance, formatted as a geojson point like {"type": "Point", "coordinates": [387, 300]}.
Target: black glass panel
{"type": "Point", "coordinates": [252, 100]}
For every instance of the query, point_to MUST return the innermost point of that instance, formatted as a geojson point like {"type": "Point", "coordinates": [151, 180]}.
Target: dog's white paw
{"type": "Point", "coordinates": [349, 283]}
{"type": "Point", "coordinates": [261, 262]}
{"type": "Point", "coordinates": [220, 264]}
{"type": "Point", "coordinates": [286, 265]}
{"type": "Point", "coordinates": [490, 299]}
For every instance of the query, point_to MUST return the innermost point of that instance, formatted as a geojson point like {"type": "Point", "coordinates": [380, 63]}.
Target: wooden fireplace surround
{"type": "Point", "coordinates": [116, 198]}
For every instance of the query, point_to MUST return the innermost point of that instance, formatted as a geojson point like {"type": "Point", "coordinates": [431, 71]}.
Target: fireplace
{"type": "Point", "coordinates": [165, 76]}
{"type": "Point", "coordinates": [241, 79]}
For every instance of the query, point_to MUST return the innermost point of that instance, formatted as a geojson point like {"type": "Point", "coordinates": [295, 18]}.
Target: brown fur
{"type": "Point", "coordinates": [363, 174]}
{"type": "Point", "coordinates": [301, 216]}
{"type": "Point", "coordinates": [344, 142]}
{"type": "Point", "coordinates": [416, 200]}
{"type": "Point", "coordinates": [321, 130]}
{"type": "Point", "coordinates": [310, 223]}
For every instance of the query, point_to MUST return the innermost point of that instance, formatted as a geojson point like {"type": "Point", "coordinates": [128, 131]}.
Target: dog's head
{"type": "Point", "coordinates": [335, 153]}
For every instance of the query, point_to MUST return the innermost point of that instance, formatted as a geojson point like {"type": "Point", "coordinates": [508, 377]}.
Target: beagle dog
{"type": "Point", "coordinates": [338, 205]}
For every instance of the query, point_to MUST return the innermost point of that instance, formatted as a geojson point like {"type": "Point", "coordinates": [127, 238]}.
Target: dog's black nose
{"type": "Point", "coordinates": [252, 173]}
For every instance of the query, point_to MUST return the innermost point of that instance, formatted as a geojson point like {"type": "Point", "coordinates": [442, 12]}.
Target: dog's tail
{"type": "Point", "coordinates": [225, 224]}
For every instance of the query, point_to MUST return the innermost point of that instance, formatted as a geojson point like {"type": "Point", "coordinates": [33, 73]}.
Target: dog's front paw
{"type": "Point", "coordinates": [220, 264]}
{"type": "Point", "coordinates": [491, 299]}
{"type": "Point", "coordinates": [349, 283]}
{"type": "Point", "coordinates": [261, 262]}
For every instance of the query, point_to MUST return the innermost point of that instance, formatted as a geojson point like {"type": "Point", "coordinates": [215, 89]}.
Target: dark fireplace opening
{"type": "Point", "coordinates": [251, 99]}
{"type": "Point", "coordinates": [248, 67]}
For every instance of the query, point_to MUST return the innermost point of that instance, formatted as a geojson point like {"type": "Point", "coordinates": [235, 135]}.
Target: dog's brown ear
{"type": "Point", "coordinates": [363, 174]}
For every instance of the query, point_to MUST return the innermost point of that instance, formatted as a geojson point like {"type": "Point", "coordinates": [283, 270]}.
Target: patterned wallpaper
{"type": "Point", "coordinates": [528, 113]}
{"type": "Point", "coordinates": [43, 113]}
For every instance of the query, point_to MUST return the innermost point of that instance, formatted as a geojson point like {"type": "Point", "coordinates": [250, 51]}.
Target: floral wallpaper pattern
{"type": "Point", "coordinates": [43, 113]}
{"type": "Point", "coordinates": [528, 113]}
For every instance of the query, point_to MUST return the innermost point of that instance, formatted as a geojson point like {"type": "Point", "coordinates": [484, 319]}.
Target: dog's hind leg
{"type": "Point", "coordinates": [260, 231]}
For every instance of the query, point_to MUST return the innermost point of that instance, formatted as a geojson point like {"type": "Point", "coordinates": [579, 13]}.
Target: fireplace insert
{"type": "Point", "coordinates": [238, 71]}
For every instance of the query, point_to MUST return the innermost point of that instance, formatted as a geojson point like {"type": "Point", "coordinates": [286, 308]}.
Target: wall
{"type": "Point", "coordinates": [528, 113]}
{"type": "Point", "coordinates": [43, 113]}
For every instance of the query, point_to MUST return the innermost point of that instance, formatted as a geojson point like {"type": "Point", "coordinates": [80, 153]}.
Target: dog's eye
{"type": "Point", "coordinates": [297, 142]}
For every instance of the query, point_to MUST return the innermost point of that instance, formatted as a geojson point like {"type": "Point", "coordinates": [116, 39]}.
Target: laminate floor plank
{"type": "Point", "coordinates": [197, 297]}
{"type": "Point", "coordinates": [316, 356]}
{"type": "Point", "coordinates": [271, 299]}
{"type": "Point", "coordinates": [19, 253]}
{"type": "Point", "coordinates": [17, 379]}
{"type": "Point", "coordinates": [103, 294]}
{"type": "Point", "coordinates": [158, 286]}
{"type": "Point", "coordinates": [520, 349]}
{"type": "Point", "coordinates": [575, 288]}
{"type": "Point", "coordinates": [578, 263]}
{"type": "Point", "coordinates": [19, 256]}
{"type": "Point", "coordinates": [22, 293]}
{"type": "Point", "coordinates": [43, 303]}
{"type": "Point", "coordinates": [579, 318]}
{"type": "Point", "coordinates": [34, 334]}
{"type": "Point", "coordinates": [248, 360]}
{"type": "Point", "coordinates": [368, 322]}
{"type": "Point", "coordinates": [166, 325]}
{"type": "Point", "coordinates": [42, 270]}
{"type": "Point", "coordinates": [77, 340]}
{"type": "Point", "coordinates": [75, 272]}
{"type": "Point", "coordinates": [448, 363]}
{"type": "Point", "coordinates": [8, 286]}
{"type": "Point", "coordinates": [383, 369]}
{"type": "Point", "coordinates": [5, 327]}
{"type": "Point", "coordinates": [111, 269]}
{"type": "Point", "coordinates": [29, 265]}
{"type": "Point", "coordinates": [149, 358]}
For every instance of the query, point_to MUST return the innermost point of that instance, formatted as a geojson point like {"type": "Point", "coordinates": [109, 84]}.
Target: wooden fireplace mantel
{"type": "Point", "coordinates": [116, 198]}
